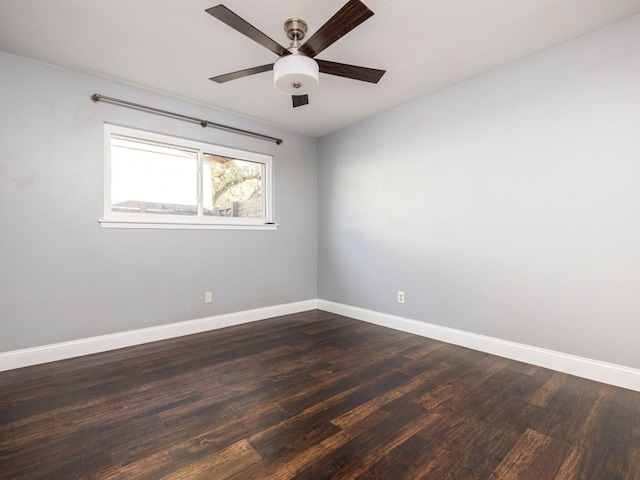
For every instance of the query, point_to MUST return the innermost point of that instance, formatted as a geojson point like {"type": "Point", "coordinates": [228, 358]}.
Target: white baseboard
{"type": "Point", "coordinates": [582, 367]}
{"type": "Point", "coordinates": [87, 346]}
{"type": "Point", "coordinates": [609, 373]}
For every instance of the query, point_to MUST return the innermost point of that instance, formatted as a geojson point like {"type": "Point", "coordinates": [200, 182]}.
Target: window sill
{"type": "Point", "coordinates": [184, 225]}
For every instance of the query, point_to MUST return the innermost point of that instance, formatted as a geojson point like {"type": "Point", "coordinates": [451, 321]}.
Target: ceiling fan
{"type": "Point", "coordinates": [296, 71]}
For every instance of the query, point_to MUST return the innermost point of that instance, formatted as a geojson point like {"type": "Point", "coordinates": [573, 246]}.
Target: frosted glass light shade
{"type": "Point", "coordinates": [296, 74]}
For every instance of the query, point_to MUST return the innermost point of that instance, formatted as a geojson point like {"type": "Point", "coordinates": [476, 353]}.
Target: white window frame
{"type": "Point", "coordinates": [167, 221]}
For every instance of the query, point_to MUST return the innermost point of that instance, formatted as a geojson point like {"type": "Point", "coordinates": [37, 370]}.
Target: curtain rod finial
{"type": "Point", "coordinates": [95, 97]}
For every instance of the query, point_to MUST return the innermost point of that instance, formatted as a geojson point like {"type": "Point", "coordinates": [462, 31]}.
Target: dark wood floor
{"type": "Point", "coordinates": [311, 396]}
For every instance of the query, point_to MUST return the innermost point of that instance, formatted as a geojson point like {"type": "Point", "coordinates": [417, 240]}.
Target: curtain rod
{"type": "Point", "coordinates": [96, 97]}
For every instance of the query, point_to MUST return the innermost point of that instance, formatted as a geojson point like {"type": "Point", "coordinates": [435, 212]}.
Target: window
{"type": "Point", "coordinates": [157, 181]}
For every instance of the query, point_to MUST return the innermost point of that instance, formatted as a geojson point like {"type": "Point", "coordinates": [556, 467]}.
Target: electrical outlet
{"type": "Point", "coordinates": [400, 297]}
{"type": "Point", "coordinates": [207, 297]}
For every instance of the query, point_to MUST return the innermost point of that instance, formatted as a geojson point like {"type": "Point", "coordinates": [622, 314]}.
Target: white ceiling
{"type": "Point", "coordinates": [173, 47]}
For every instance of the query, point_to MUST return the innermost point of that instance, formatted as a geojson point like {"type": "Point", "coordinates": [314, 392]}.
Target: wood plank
{"type": "Point", "coordinates": [220, 465]}
{"type": "Point", "coordinates": [633, 467]}
{"type": "Point", "coordinates": [570, 467]}
{"type": "Point", "coordinates": [534, 457]}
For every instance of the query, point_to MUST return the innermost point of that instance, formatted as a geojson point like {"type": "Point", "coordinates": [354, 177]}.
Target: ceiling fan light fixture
{"type": "Point", "coordinates": [296, 74]}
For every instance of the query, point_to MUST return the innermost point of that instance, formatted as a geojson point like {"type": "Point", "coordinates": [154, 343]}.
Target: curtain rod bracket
{"type": "Point", "coordinates": [96, 97]}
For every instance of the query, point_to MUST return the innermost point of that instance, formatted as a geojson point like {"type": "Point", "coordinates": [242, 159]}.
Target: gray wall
{"type": "Point", "coordinates": [508, 205]}
{"type": "Point", "coordinates": [63, 277]}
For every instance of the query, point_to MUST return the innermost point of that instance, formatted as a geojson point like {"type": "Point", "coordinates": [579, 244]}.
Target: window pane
{"type": "Point", "coordinates": [152, 178]}
{"type": "Point", "coordinates": [233, 188]}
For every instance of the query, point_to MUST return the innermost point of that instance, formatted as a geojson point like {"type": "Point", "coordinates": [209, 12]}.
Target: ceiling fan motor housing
{"type": "Point", "coordinates": [296, 29]}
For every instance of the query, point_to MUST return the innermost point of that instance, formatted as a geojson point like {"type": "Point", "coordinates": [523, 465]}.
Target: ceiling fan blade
{"type": "Point", "coordinates": [364, 74]}
{"type": "Point", "coordinates": [300, 100]}
{"type": "Point", "coordinates": [352, 14]}
{"type": "Point", "coordinates": [225, 15]}
{"type": "Point", "coordinates": [242, 73]}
